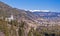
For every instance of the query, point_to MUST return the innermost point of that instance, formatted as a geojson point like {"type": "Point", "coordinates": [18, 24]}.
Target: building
{"type": "Point", "coordinates": [9, 18]}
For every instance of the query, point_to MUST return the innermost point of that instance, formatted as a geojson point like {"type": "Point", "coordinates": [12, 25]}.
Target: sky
{"type": "Point", "coordinates": [52, 5]}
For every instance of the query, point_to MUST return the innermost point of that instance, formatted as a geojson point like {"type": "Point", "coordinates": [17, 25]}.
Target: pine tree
{"type": "Point", "coordinates": [21, 29]}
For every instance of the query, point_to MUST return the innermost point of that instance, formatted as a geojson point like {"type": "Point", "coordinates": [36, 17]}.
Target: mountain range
{"type": "Point", "coordinates": [28, 16]}
{"type": "Point", "coordinates": [33, 19]}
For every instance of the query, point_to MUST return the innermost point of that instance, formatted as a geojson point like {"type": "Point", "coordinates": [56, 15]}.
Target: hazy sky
{"type": "Point", "coordinates": [52, 5]}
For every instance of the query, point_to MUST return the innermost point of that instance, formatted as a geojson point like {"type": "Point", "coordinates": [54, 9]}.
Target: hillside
{"type": "Point", "coordinates": [27, 23]}
{"type": "Point", "coordinates": [19, 15]}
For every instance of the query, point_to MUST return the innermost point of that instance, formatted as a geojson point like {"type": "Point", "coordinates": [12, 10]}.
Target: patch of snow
{"type": "Point", "coordinates": [39, 10]}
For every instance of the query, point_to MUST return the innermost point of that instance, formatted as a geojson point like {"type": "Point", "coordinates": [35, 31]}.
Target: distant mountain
{"type": "Point", "coordinates": [39, 10]}
{"type": "Point", "coordinates": [47, 14]}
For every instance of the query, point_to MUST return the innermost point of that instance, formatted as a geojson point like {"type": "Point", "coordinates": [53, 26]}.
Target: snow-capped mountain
{"type": "Point", "coordinates": [39, 10]}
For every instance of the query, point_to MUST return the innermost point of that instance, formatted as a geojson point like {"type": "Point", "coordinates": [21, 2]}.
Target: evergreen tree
{"type": "Point", "coordinates": [21, 29]}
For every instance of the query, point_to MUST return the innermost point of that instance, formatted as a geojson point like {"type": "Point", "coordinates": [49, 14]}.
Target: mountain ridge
{"type": "Point", "coordinates": [27, 22]}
